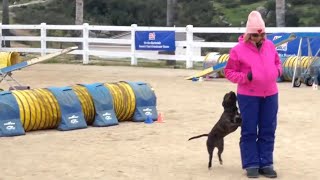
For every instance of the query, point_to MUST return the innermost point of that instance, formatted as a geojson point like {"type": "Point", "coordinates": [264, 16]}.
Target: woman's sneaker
{"type": "Point", "coordinates": [252, 172]}
{"type": "Point", "coordinates": [268, 172]}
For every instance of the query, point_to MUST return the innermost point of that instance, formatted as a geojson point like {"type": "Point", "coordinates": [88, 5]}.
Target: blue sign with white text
{"type": "Point", "coordinates": [155, 40]}
{"type": "Point", "coordinates": [291, 48]}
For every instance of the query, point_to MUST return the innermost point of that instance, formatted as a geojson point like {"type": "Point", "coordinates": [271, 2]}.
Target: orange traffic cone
{"type": "Point", "coordinates": [160, 118]}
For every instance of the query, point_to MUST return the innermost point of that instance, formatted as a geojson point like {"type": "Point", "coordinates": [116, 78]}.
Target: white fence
{"type": "Point", "coordinates": [133, 54]}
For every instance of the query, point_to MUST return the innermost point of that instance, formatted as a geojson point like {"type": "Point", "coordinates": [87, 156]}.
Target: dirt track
{"type": "Point", "coordinates": [158, 151]}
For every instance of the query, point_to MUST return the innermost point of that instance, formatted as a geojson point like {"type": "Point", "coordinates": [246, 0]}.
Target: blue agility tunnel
{"type": "Point", "coordinates": [70, 108]}
{"type": "Point", "coordinates": [146, 101]}
{"type": "Point", "coordinates": [72, 116]}
{"type": "Point", "coordinates": [103, 105]}
{"type": "Point", "coordinates": [10, 124]}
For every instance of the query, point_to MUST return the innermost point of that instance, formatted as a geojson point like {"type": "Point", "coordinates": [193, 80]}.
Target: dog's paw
{"type": "Point", "coordinates": [221, 162]}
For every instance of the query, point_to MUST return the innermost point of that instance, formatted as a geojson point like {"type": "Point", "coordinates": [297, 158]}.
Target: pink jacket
{"type": "Point", "coordinates": [264, 64]}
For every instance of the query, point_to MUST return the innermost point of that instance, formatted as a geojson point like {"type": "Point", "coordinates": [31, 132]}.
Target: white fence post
{"type": "Point", "coordinates": [133, 45]}
{"type": "Point", "coordinates": [85, 44]}
{"type": "Point", "coordinates": [43, 32]}
{"type": "Point", "coordinates": [189, 63]}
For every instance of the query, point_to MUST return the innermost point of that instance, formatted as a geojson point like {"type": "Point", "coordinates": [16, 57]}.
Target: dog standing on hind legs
{"type": "Point", "coordinates": [229, 121]}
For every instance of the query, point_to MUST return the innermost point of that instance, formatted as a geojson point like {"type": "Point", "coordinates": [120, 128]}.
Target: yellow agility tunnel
{"type": "Point", "coordinates": [288, 64]}
{"type": "Point", "coordinates": [9, 59]}
{"type": "Point", "coordinates": [222, 59]}
{"type": "Point", "coordinates": [75, 107]}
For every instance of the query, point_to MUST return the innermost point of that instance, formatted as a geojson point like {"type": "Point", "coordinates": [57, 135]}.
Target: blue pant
{"type": "Point", "coordinates": [259, 122]}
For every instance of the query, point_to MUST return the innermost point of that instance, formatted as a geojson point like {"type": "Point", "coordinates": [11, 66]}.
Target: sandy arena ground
{"type": "Point", "coordinates": [138, 151]}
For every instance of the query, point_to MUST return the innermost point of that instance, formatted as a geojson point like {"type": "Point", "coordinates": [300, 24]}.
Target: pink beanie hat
{"type": "Point", "coordinates": [255, 23]}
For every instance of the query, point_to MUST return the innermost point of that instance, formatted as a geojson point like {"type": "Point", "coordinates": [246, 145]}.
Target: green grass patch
{"type": "Point", "coordinates": [307, 14]}
{"type": "Point", "coordinates": [240, 13]}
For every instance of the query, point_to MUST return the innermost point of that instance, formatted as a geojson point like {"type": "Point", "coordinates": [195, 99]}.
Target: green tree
{"type": "Point", "coordinates": [126, 12]}
{"type": "Point", "coordinates": [54, 12]}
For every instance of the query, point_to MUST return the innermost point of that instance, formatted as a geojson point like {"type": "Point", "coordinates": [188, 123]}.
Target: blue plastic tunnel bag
{"type": "Point", "coordinates": [103, 105]}
{"type": "Point", "coordinates": [146, 101]}
{"type": "Point", "coordinates": [10, 124]}
{"type": "Point", "coordinates": [72, 116]}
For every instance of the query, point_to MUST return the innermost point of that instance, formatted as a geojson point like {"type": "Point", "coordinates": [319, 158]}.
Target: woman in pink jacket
{"type": "Point", "coordinates": [254, 65]}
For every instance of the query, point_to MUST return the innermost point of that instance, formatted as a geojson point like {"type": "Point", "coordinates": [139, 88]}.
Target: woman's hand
{"type": "Point", "coordinates": [249, 76]}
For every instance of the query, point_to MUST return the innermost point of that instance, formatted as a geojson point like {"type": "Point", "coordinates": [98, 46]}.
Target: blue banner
{"type": "Point", "coordinates": [155, 40]}
{"type": "Point", "coordinates": [291, 48]}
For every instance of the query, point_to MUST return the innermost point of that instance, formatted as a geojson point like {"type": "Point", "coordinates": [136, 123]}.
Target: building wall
{"type": "Point", "coordinates": [179, 50]}
{"type": "Point", "coordinates": [182, 51]}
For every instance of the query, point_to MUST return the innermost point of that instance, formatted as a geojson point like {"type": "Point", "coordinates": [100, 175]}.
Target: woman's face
{"type": "Point", "coordinates": [257, 37]}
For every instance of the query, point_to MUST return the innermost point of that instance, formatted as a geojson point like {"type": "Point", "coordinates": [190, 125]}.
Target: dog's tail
{"type": "Point", "coordinates": [195, 137]}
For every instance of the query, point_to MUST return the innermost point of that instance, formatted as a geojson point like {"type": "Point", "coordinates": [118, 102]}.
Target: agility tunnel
{"type": "Point", "coordinates": [222, 59]}
{"type": "Point", "coordinates": [288, 65]}
{"type": "Point", "coordinates": [9, 59]}
{"type": "Point", "coordinates": [213, 59]}
{"type": "Point", "coordinates": [75, 107]}
{"type": "Point", "coordinates": [210, 59]}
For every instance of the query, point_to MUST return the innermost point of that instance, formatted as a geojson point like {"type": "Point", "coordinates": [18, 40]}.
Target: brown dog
{"type": "Point", "coordinates": [229, 121]}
